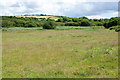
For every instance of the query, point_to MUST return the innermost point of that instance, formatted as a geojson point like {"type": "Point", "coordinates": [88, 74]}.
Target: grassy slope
{"type": "Point", "coordinates": [60, 53]}
{"type": "Point", "coordinates": [51, 17]}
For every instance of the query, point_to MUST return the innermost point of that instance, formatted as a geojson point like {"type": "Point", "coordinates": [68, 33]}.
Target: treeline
{"type": "Point", "coordinates": [36, 15]}
{"type": "Point", "coordinates": [12, 21]}
{"type": "Point", "coordinates": [84, 21]}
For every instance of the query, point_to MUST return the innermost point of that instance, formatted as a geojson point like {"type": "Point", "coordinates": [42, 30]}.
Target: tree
{"type": "Point", "coordinates": [75, 19]}
{"type": "Point", "coordinates": [85, 22]}
{"type": "Point", "coordinates": [19, 23]}
{"type": "Point", "coordinates": [30, 24]}
{"type": "Point", "coordinates": [49, 25]}
{"type": "Point", "coordinates": [110, 24]}
{"type": "Point", "coordinates": [66, 19]}
{"type": "Point", "coordinates": [6, 23]}
{"type": "Point", "coordinates": [83, 17]}
{"type": "Point", "coordinates": [95, 19]}
{"type": "Point", "coordinates": [60, 20]}
{"type": "Point", "coordinates": [72, 24]}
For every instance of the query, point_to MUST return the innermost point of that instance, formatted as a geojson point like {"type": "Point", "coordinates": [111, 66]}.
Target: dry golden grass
{"type": "Point", "coordinates": [60, 53]}
{"type": "Point", "coordinates": [46, 17]}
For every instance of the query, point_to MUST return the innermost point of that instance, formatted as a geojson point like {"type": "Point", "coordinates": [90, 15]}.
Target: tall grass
{"type": "Point", "coordinates": [60, 53]}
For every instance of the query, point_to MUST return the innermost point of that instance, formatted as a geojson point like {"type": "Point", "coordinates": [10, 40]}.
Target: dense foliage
{"type": "Point", "coordinates": [112, 22]}
{"type": "Point", "coordinates": [49, 25]}
{"type": "Point", "coordinates": [12, 21]}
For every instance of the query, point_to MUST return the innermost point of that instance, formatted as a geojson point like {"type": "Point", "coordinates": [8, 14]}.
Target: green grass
{"type": "Point", "coordinates": [71, 27]}
{"type": "Point", "coordinates": [74, 53]}
{"type": "Point", "coordinates": [57, 28]}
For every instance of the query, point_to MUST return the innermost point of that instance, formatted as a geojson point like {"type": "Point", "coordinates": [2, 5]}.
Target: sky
{"type": "Point", "coordinates": [71, 8]}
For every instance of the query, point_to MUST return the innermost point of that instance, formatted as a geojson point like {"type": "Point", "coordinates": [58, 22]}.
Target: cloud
{"type": "Point", "coordinates": [96, 17]}
{"type": "Point", "coordinates": [71, 8]}
{"type": "Point", "coordinates": [105, 15]}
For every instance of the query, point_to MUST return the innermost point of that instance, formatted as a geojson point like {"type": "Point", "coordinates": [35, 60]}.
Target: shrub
{"type": "Point", "coordinates": [30, 24]}
{"type": "Point", "coordinates": [110, 24]}
{"type": "Point", "coordinates": [72, 24]}
{"type": "Point", "coordinates": [6, 23]}
{"type": "Point", "coordinates": [116, 28]}
{"type": "Point", "coordinates": [85, 23]}
{"type": "Point", "coordinates": [49, 25]}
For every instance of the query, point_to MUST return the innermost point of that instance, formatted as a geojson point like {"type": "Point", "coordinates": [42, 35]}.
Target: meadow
{"type": "Point", "coordinates": [46, 17]}
{"type": "Point", "coordinates": [66, 53]}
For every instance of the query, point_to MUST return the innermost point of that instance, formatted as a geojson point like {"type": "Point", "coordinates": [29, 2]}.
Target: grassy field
{"type": "Point", "coordinates": [74, 53]}
{"type": "Point", "coordinates": [57, 28]}
{"type": "Point", "coordinates": [46, 17]}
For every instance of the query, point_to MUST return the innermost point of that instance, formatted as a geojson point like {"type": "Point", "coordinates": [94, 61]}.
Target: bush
{"type": "Point", "coordinates": [32, 25]}
{"type": "Point", "coordinates": [49, 25]}
{"type": "Point", "coordinates": [6, 23]}
{"type": "Point", "coordinates": [72, 24]}
{"type": "Point", "coordinates": [85, 23]}
{"type": "Point", "coordinates": [116, 28]}
{"type": "Point", "coordinates": [97, 27]}
{"type": "Point", "coordinates": [110, 24]}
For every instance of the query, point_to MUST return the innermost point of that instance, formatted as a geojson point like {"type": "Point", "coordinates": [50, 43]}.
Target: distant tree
{"type": "Point", "coordinates": [75, 19]}
{"type": "Point", "coordinates": [6, 23]}
{"type": "Point", "coordinates": [99, 24]}
{"type": "Point", "coordinates": [20, 23]}
{"type": "Point", "coordinates": [60, 20]}
{"type": "Point", "coordinates": [110, 24]}
{"type": "Point", "coordinates": [95, 19]}
{"type": "Point", "coordinates": [30, 24]}
{"type": "Point", "coordinates": [12, 21]}
{"type": "Point", "coordinates": [85, 22]}
{"type": "Point", "coordinates": [49, 25]}
{"type": "Point", "coordinates": [66, 19]}
{"type": "Point", "coordinates": [83, 17]}
{"type": "Point", "coordinates": [72, 24]}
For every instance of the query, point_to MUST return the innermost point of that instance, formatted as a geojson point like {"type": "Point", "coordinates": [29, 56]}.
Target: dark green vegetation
{"type": "Point", "coordinates": [49, 25]}
{"type": "Point", "coordinates": [12, 21]}
{"type": "Point", "coordinates": [74, 53]}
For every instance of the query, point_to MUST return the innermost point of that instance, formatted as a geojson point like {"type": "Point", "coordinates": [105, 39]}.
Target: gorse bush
{"type": "Point", "coordinates": [49, 25]}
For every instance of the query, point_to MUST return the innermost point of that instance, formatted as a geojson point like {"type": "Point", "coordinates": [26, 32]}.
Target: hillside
{"type": "Point", "coordinates": [46, 17]}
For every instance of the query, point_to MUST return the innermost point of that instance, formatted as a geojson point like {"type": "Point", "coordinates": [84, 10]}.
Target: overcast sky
{"type": "Point", "coordinates": [70, 8]}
